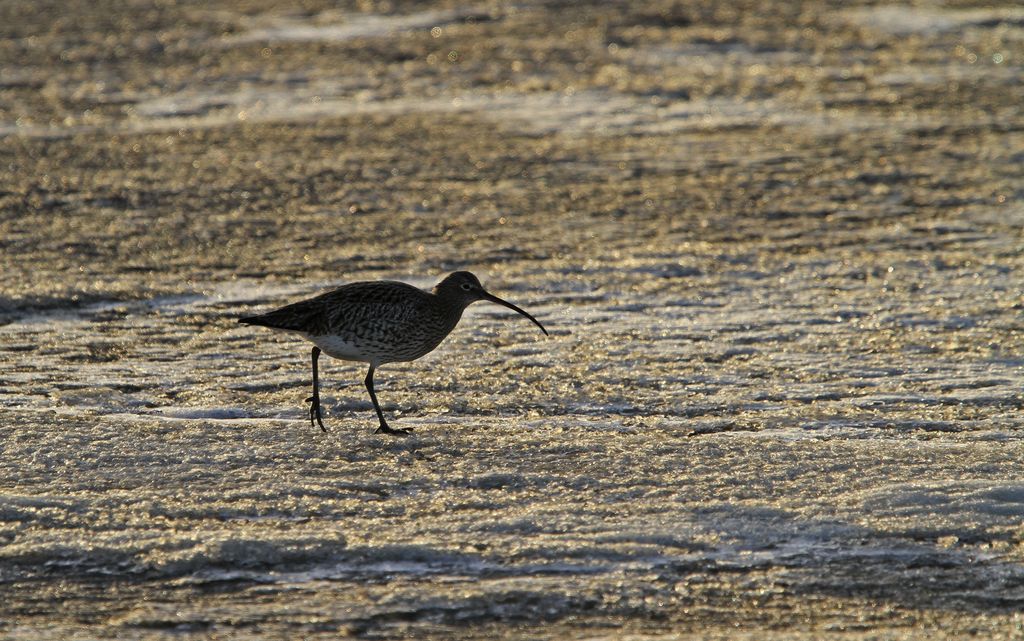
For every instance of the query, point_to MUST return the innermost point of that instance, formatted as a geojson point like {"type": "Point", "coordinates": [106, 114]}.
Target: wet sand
{"type": "Point", "coordinates": [777, 247]}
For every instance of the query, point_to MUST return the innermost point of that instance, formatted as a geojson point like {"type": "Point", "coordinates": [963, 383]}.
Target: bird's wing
{"type": "Point", "coordinates": [377, 309]}
{"type": "Point", "coordinates": [378, 319]}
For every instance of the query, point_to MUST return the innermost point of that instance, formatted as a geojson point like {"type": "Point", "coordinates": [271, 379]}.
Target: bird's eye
{"type": "Point", "coordinates": [466, 287]}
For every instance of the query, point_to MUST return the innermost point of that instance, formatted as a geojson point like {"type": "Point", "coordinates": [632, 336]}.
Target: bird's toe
{"type": "Point", "coordinates": [384, 429]}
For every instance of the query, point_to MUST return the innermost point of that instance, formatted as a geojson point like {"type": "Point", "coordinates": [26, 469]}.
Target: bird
{"type": "Point", "coordinates": [378, 322]}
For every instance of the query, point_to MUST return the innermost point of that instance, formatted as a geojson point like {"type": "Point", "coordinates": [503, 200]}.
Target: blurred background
{"type": "Point", "coordinates": [152, 144]}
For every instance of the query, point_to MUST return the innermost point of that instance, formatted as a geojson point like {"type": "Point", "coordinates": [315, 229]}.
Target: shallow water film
{"type": "Point", "coordinates": [777, 246]}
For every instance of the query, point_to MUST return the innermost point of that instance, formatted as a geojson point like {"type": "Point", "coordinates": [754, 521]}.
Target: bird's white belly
{"type": "Point", "coordinates": [337, 347]}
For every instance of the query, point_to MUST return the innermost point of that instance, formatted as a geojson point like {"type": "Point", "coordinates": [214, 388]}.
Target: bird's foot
{"type": "Point", "coordinates": [386, 429]}
{"type": "Point", "coordinates": [315, 412]}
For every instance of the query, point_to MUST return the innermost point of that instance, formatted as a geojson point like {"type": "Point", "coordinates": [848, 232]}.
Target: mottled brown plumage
{"type": "Point", "coordinates": [378, 322]}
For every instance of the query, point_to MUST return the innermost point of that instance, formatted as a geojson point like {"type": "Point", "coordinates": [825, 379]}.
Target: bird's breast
{"type": "Point", "coordinates": [346, 349]}
{"type": "Point", "coordinates": [381, 344]}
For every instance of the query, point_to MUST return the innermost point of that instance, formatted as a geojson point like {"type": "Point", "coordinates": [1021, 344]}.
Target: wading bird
{"type": "Point", "coordinates": [378, 322]}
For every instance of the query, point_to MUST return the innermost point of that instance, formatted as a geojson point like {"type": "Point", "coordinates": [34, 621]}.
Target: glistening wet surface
{"type": "Point", "coordinates": [777, 248]}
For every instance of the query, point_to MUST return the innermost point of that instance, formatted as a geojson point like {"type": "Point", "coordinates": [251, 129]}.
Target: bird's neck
{"type": "Point", "coordinates": [453, 314]}
{"type": "Point", "coordinates": [450, 310]}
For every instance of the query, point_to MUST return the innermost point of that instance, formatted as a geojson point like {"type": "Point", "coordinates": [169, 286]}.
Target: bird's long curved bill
{"type": "Point", "coordinates": [495, 299]}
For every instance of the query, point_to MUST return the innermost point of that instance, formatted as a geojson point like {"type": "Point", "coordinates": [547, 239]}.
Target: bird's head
{"type": "Point", "coordinates": [464, 289]}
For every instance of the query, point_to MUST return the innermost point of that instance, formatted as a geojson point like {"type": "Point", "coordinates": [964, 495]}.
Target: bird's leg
{"type": "Point", "coordinates": [314, 400]}
{"type": "Point", "coordinates": [384, 427]}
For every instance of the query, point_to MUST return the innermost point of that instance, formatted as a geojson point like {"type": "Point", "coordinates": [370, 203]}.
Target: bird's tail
{"type": "Point", "coordinates": [285, 318]}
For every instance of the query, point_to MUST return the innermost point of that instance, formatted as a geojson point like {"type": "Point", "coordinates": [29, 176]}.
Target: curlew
{"type": "Point", "coordinates": [378, 322]}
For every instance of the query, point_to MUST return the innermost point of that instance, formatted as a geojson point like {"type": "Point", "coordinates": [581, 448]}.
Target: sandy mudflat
{"type": "Point", "coordinates": [777, 245]}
